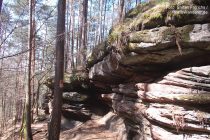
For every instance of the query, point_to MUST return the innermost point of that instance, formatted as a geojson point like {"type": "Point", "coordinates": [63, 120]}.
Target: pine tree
{"type": "Point", "coordinates": [122, 10]}
{"type": "Point", "coordinates": [28, 135]}
{"type": "Point", "coordinates": [55, 124]}
{"type": "Point", "coordinates": [1, 1]}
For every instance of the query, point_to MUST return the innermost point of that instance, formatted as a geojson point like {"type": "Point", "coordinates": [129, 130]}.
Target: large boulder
{"type": "Point", "coordinates": [175, 105]}
{"type": "Point", "coordinates": [158, 68]}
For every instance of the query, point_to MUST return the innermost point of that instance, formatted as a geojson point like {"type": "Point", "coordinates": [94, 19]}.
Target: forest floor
{"type": "Point", "coordinates": [72, 130]}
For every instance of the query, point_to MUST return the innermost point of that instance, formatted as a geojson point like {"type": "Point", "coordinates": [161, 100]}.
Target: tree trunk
{"type": "Point", "coordinates": [138, 2]}
{"type": "Point", "coordinates": [54, 127]}
{"type": "Point", "coordinates": [80, 36]}
{"type": "Point", "coordinates": [2, 50]}
{"type": "Point", "coordinates": [72, 34]}
{"type": "Point", "coordinates": [37, 99]}
{"type": "Point", "coordinates": [1, 1]}
{"type": "Point", "coordinates": [89, 28]}
{"type": "Point", "coordinates": [113, 10]}
{"type": "Point", "coordinates": [105, 8]}
{"type": "Point", "coordinates": [84, 34]}
{"type": "Point", "coordinates": [68, 36]}
{"type": "Point", "coordinates": [77, 46]}
{"type": "Point", "coordinates": [28, 131]}
{"type": "Point", "coordinates": [122, 10]}
{"type": "Point", "coordinates": [100, 22]}
{"type": "Point", "coordinates": [33, 58]}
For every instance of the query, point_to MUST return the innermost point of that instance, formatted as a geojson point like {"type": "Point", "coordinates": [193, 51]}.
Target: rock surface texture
{"type": "Point", "coordinates": [153, 72]}
{"type": "Point", "coordinates": [158, 65]}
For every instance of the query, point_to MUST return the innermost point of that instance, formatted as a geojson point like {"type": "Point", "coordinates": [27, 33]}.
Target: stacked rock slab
{"type": "Point", "coordinates": [80, 97]}
{"type": "Point", "coordinates": [157, 63]}
{"type": "Point", "coordinates": [153, 71]}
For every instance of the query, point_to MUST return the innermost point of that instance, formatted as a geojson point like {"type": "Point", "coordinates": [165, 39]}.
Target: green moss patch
{"type": "Point", "coordinates": [98, 53]}
{"type": "Point", "coordinates": [185, 32]}
{"type": "Point", "coordinates": [198, 98]}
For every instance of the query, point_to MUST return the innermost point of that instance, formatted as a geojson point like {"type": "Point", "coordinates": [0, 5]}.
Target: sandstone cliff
{"type": "Point", "coordinates": [153, 72]}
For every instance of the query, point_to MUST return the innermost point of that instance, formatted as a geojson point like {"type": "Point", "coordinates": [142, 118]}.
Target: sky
{"type": "Point", "coordinates": [49, 2]}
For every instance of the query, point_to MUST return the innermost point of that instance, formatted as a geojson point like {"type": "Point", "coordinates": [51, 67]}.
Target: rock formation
{"type": "Point", "coordinates": [154, 71]}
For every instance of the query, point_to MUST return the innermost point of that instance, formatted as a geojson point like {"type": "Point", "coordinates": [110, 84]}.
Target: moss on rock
{"type": "Point", "coordinates": [149, 26]}
{"type": "Point", "coordinates": [75, 81]}
{"type": "Point", "coordinates": [144, 6]}
{"type": "Point", "coordinates": [98, 53]}
{"type": "Point", "coordinates": [74, 96]}
{"type": "Point", "coordinates": [195, 98]}
{"type": "Point", "coordinates": [155, 16]}
{"type": "Point", "coordinates": [185, 32]}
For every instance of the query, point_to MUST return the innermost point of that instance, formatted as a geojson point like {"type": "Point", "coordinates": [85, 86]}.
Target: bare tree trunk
{"type": "Point", "coordinates": [54, 127]}
{"type": "Point", "coordinates": [96, 38]}
{"type": "Point", "coordinates": [33, 59]}
{"type": "Point", "coordinates": [80, 33]}
{"type": "Point", "coordinates": [100, 21]}
{"type": "Point", "coordinates": [68, 36]}
{"type": "Point", "coordinates": [1, 1]}
{"type": "Point", "coordinates": [28, 135]}
{"type": "Point", "coordinates": [72, 34]}
{"type": "Point", "coordinates": [77, 47]}
{"type": "Point", "coordinates": [17, 93]}
{"type": "Point", "coordinates": [138, 2]}
{"type": "Point", "coordinates": [122, 10]}
{"type": "Point", "coordinates": [3, 96]}
{"type": "Point", "coordinates": [103, 33]}
{"type": "Point", "coordinates": [44, 50]}
{"type": "Point", "coordinates": [84, 34]}
{"type": "Point", "coordinates": [113, 10]}
{"type": "Point", "coordinates": [89, 27]}
{"type": "Point", "coordinates": [37, 99]}
{"type": "Point", "coordinates": [3, 111]}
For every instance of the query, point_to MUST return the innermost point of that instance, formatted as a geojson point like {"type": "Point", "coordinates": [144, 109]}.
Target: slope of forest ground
{"type": "Point", "coordinates": [107, 127]}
